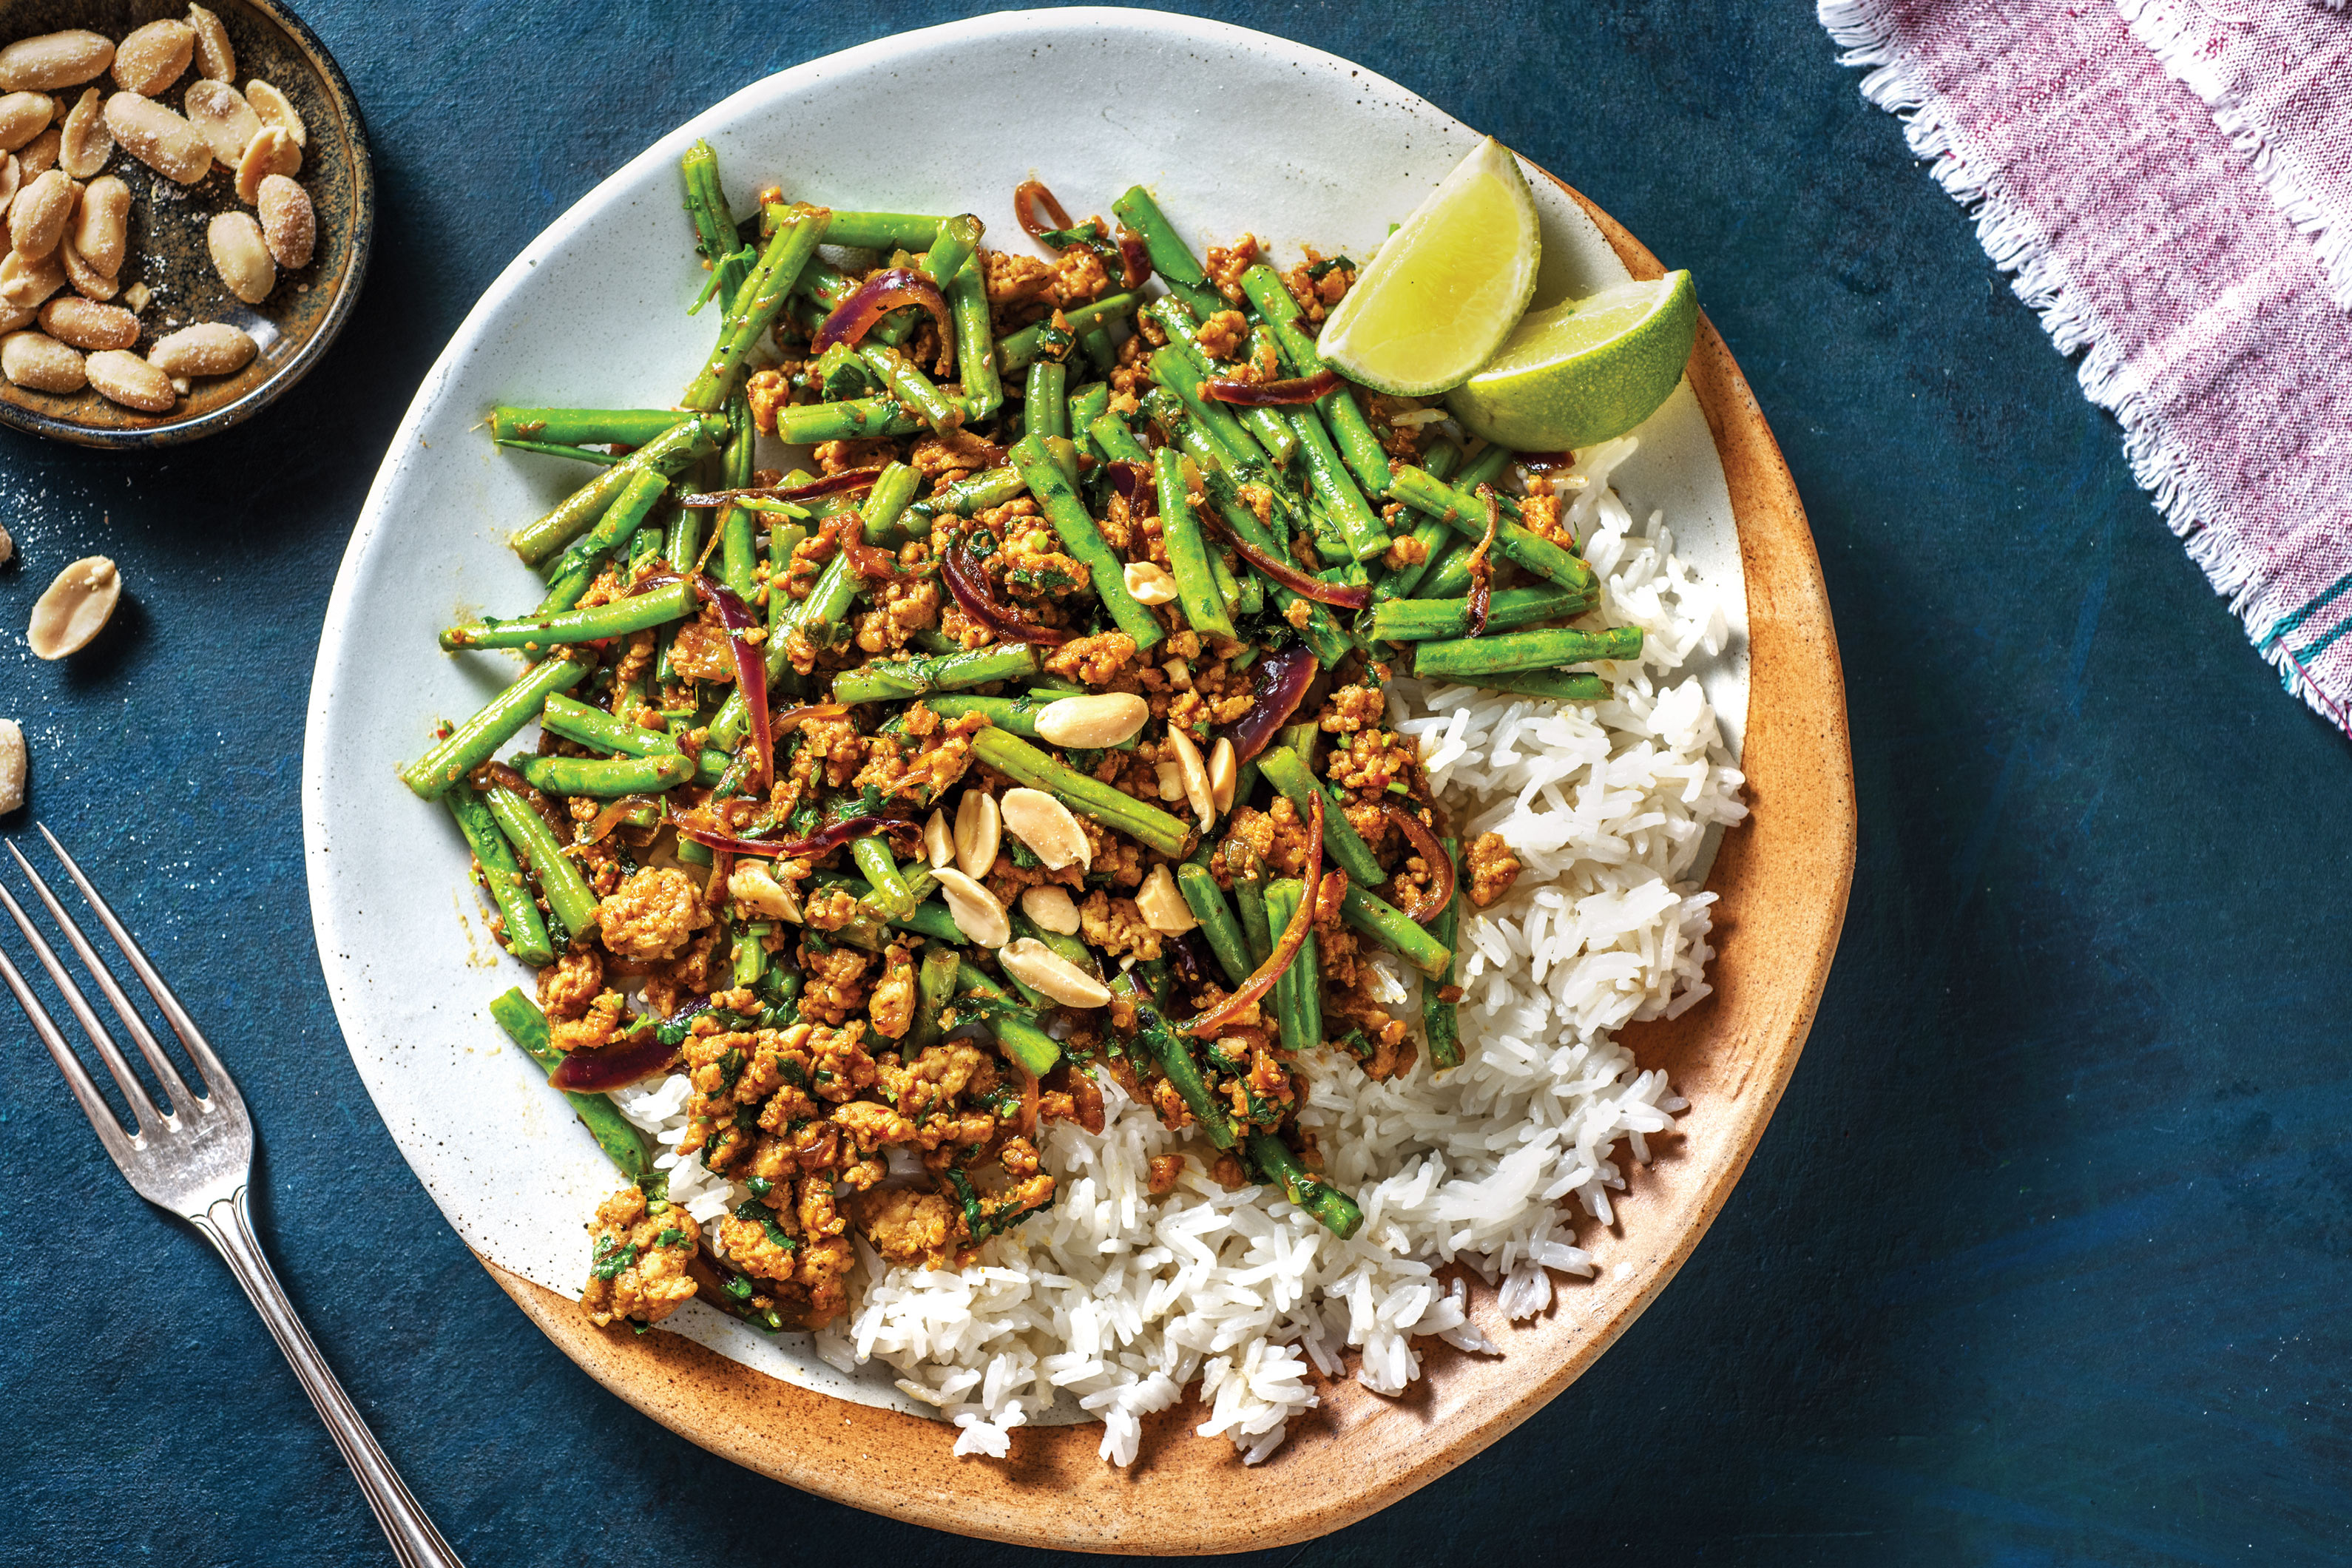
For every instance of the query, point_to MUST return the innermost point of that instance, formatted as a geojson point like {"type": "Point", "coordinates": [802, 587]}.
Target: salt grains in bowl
{"type": "Point", "coordinates": [188, 204]}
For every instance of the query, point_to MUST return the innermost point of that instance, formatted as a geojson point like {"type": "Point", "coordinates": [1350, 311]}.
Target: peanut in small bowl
{"type": "Point", "coordinates": [187, 203]}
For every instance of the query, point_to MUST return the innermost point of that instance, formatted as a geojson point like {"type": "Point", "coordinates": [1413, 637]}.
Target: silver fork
{"type": "Point", "coordinates": [196, 1159]}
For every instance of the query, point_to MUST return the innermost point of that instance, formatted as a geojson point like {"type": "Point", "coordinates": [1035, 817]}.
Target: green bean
{"type": "Point", "coordinates": [570, 578]}
{"type": "Point", "coordinates": [739, 529]}
{"type": "Point", "coordinates": [1422, 620]}
{"type": "Point", "coordinates": [1045, 410]}
{"type": "Point", "coordinates": [1083, 540]}
{"type": "Point", "coordinates": [1485, 469]}
{"type": "Point", "coordinates": [567, 892]}
{"type": "Point", "coordinates": [469, 745]}
{"type": "Point", "coordinates": [1170, 256]}
{"type": "Point", "coordinates": [755, 305]}
{"type": "Point", "coordinates": [983, 386]}
{"type": "Point", "coordinates": [884, 231]}
{"type": "Point", "coordinates": [1321, 633]}
{"type": "Point", "coordinates": [853, 419]}
{"type": "Point", "coordinates": [1295, 780]}
{"type": "Point", "coordinates": [897, 680]}
{"type": "Point", "coordinates": [1516, 543]}
{"type": "Point", "coordinates": [1197, 592]}
{"type": "Point", "coordinates": [909, 386]}
{"type": "Point", "coordinates": [1512, 652]}
{"type": "Point", "coordinates": [1115, 441]}
{"type": "Point", "coordinates": [526, 933]}
{"type": "Point", "coordinates": [1173, 370]}
{"type": "Point", "coordinates": [1034, 1049]}
{"type": "Point", "coordinates": [1266, 426]}
{"type": "Point", "coordinates": [1333, 1209]}
{"type": "Point", "coordinates": [987, 489]}
{"type": "Point", "coordinates": [934, 989]}
{"type": "Point", "coordinates": [750, 956]}
{"type": "Point", "coordinates": [1359, 523]}
{"type": "Point", "coordinates": [1257, 921]}
{"type": "Point", "coordinates": [583, 427]}
{"type": "Point", "coordinates": [1385, 923]}
{"type": "Point", "coordinates": [1349, 429]}
{"type": "Point", "coordinates": [952, 242]}
{"type": "Point", "coordinates": [1560, 685]}
{"type": "Point", "coordinates": [1173, 1052]}
{"type": "Point", "coordinates": [715, 232]}
{"type": "Point", "coordinates": [685, 442]}
{"type": "Point", "coordinates": [1017, 714]}
{"type": "Point", "coordinates": [608, 778]}
{"type": "Point", "coordinates": [614, 617]}
{"type": "Point", "coordinates": [893, 899]}
{"type": "Point", "coordinates": [1441, 458]}
{"type": "Point", "coordinates": [550, 449]}
{"type": "Point", "coordinates": [1086, 405]}
{"type": "Point", "coordinates": [1061, 946]}
{"type": "Point", "coordinates": [589, 726]}
{"type": "Point", "coordinates": [1223, 933]}
{"type": "Point", "coordinates": [1298, 993]}
{"type": "Point", "coordinates": [1017, 760]}
{"type": "Point", "coordinates": [526, 1026]}
{"type": "Point", "coordinates": [1438, 1020]}
{"type": "Point", "coordinates": [1016, 351]}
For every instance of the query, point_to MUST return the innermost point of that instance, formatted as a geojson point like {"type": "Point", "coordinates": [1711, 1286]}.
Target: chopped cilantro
{"type": "Point", "coordinates": [777, 1236]}
{"type": "Point", "coordinates": [608, 1261]}
{"type": "Point", "coordinates": [669, 1238]}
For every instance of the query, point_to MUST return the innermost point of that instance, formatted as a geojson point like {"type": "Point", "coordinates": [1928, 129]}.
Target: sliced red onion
{"type": "Point", "coordinates": [613, 1066]}
{"type": "Point", "coordinates": [610, 818]}
{"type": "Point", "coordinates": [969, 586]}
{"type": "Point", "coordinates": [1482, 567]}
{"type": "Point", "coordinates": [1286, 947]}
{"type": "Point", "coordinates": [1134, 258]}
{"type": "Point", "coordinates": [1281, 680]}
{"type": "Point", "coordinates": [1272, 393]}
{"type": "Point", "coordinates": [826, 839]}
{"type": "Point", "coordinates": [1134, 484]}
{"type": "Point", "coordinates": [783, 722]}
{"type": "Point", "coordinates": [832, 484]}
{"type": "Point", "coordinates": [1025, 197]}
{"type": "Point", "coordinates": [1304, 585]}
{"type": "Point", "coordinates": [877, 297]}
{"type": "Point", "coordinates": [1432, 854]}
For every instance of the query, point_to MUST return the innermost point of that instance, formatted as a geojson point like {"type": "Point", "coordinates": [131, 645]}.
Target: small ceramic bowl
{"type": "Point", "coordinates": [167, 251]}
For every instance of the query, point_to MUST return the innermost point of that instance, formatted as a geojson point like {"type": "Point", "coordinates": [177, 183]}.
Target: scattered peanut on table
{"type": "Point", "coordinates": [70, 101]}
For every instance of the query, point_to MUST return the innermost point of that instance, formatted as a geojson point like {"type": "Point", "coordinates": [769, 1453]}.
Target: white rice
{"type": "Point", "coordinates": [1114, 1301]}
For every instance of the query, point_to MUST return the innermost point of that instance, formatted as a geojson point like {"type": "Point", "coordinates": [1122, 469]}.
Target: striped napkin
{"type": "Point", "coordinates": [2170, 183]}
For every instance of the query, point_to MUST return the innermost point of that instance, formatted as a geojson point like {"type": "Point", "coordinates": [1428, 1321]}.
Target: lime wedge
{"type": "Point", "coordinates": [1446, 288]}
{"type": "Point", "coordinates": [1577, 374]}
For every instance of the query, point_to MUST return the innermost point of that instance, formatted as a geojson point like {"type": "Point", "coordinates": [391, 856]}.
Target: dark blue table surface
{"type": "Point", "coordinates": [2044, 1259]}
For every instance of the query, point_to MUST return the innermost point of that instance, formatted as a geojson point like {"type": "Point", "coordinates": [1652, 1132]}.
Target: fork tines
{"type": "Point", "coordinates": [181, 1100]}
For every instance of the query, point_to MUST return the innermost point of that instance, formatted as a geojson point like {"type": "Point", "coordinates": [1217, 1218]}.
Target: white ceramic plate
{"type": "Point", "coordinates": [1241, 131]}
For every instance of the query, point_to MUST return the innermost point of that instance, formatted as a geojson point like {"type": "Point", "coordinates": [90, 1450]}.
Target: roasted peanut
{"type": "Point", "coordinates": [25, 284]}
{"type": "Point", "coordinates": [39, 155]}
{"type": "Point", "coordinates": [979, 830]}
{"type": "Point", "coordinates": [216, 56]}
{"type": "Point", "coordinates": [9, 176]}
{"type": "Point", "coordinates": [1149, 582]}
{"type": "Point", "coordinates": [275, 109]}
{"type": "Point", "coordinates": [288, 224]}
{"type": "Point", "coordinates": [74, 607]}
{"type": "Point", "coordinates": [241, 257]}
{"type": "Point", "coordinates": [151, 59]}
{"type": "Point", "coordinates": [23, 116]}
{"type": "Point", "coordinates": [102, 224]}
{"type": "Point", "coordinates": [1163, 908]}
{"type": "Point", "coordinates": [86, 324]}
{"type": "Point", "coordinates": [1051, 907]}
{"type": "Point", "coordinates": [13, 317]}
{"type": "Point", "coordinates": [209, 348]}
{"type": "Point", "coordinates": [12, 763]}
{"type": "Point", "coordinates": [87, 280]}
{"type": "Point", "coordinates": [223, 118]}
{"type": "Point", "coordinates": [938, 842]}
{"type": "Point", "coordinates": [84, 143]}
{"type": "Point", "coordinates": [53, 60]}
{"type": "Point", "coordinates": [158, 138]}
{"type": "Point", "coordinates": [1223, 773]}
{"type": "Point", "coordinates": [1198, 793]}
{"type": "Point", "coordinates": [125, 378]}
{"type": "Point", "coordinates": [976, 911]}
{"type": "Point", "coordinates": [39, 216]}
{"type": "Point", "coordinates": [1040, 968]}
{"type": "Point", "coordinates": [271, 152]}
{"type": "Point", "coordinates": [1046, 826]}
{"type": "Point", "coordinates": [1096, 720]}
{"type": "Point", "coordinates": [40, 362]}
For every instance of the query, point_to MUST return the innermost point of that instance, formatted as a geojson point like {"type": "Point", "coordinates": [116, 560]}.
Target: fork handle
{"type": "Point", "coordinates": [229, 1228]}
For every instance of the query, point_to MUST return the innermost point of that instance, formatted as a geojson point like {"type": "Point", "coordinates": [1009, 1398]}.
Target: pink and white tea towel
{"type": "Point", "coordinates": [2170, 183]}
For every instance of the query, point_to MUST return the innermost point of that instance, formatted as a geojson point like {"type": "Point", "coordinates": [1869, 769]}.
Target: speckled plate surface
{"type": "Point", "coordinates": [1242, 131]}
{"type": "Point", "coordinates": [166, 251]}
